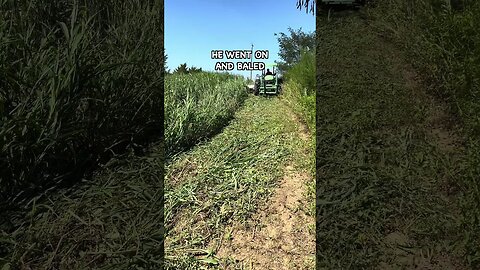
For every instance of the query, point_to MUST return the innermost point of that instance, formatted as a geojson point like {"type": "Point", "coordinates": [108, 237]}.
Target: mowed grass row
{"type": "Point", "coordinates": [226, 180]}
{"type": "Point", "coordinates": [443, 42]}
{"type": "Point", "coordinates": [388, 168]}
{"type": "Point", "coordinates": [198, 105]}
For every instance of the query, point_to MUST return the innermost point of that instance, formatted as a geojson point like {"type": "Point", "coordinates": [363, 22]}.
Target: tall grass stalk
{"type": "Point", "coordinates": [80, 81]}
{"type": "Point", "coordinates": [300, 88]}
{"type": "Point", "coordinates": [198, 105]}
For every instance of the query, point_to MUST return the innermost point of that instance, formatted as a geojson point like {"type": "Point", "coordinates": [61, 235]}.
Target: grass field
{"type": "Point", "coordinates": [82, 168]}
{"type": "Point", "coordinates": [442, 42]}
{"type": "Point", "coordinates": [226, 180]}
{"type": "Point", "coordinates": [198, 105]}
{"type": "Point", "coordinates": [116, 218]}
{"type": "Point", "coordinates": [389, 156]}
{"type": "Point", "coordinates": [300, 89]}
{"type": "Point", "coordinates": [112, 221]}
{"type": "Point", "coordinates": [76, 89]}
{"type": "Point", "coordinates": [81, 98]}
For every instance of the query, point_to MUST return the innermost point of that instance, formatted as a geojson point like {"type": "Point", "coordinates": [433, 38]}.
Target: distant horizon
{"type": "Point", "coordinates": [220, 71]}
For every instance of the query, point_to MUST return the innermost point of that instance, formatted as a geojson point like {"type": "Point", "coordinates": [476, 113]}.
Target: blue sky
{"type": "Point", "coordinates": [193, 28]}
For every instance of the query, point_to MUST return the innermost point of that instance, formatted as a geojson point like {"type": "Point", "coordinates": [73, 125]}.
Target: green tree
{"type": "Point", "coordinates": [194, 70]}
{"type": "Point", "coordinates": [292, 46]}
{"type": "Point", "coordinates": [165, 57]}
{"type": "Point", "coordinates": [182, 69]}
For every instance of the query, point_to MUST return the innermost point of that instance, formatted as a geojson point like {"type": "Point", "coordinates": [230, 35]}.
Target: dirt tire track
{"type": "Point", "coordinates": [278, 235]}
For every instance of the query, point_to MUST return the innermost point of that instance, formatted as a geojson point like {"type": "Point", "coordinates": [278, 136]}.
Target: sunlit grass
{"type": "Point", "coordinates": [198, 105]}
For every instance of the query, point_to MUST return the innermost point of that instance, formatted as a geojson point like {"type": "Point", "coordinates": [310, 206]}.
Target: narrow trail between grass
{"type": "Point", "coordinates": [242, 199]}
{"type": "Point", "coordinates": [389, 157]}
{"type": "Point", "coordinates": [275, 237]}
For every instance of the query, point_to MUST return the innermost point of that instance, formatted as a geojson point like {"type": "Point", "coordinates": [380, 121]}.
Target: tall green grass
{"type": "Point", "coordinates": [299, 91]}
{"type": "Point", "coordinates": [443, 40]}
{"type": "Point", "coordinates": [79, 82]}
{"type": "Point", "coordinates": [199, 105]}
{"type": "Point", "coordinates": [300, 88]}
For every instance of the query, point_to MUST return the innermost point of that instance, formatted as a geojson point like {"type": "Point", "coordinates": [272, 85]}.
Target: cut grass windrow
{"type": "Point", "coordinates": [225, 180]}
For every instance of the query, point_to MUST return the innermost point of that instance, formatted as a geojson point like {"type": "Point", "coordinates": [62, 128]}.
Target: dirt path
{"type": "Point", "coordinates": [280, 235]}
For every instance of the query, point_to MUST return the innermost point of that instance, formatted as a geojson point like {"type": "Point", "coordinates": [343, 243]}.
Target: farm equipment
{"type": "Point", "coordinates": [342, 2]}
{"type": "Point", "coordinates": [331, 5]}
{"type": "Point", "coordinates": [268, 84]}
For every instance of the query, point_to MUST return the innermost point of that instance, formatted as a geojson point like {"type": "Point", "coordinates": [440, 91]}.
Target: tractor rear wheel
{"type": "Point", "coordinates": [256, 90]}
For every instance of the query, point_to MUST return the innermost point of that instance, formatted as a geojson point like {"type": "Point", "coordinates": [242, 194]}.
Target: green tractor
{"type": "Point", "coordinates": [269, 83]}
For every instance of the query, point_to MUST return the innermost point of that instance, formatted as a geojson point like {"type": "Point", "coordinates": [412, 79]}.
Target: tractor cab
{"type": "Point", "coordinates": [269, 82]}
